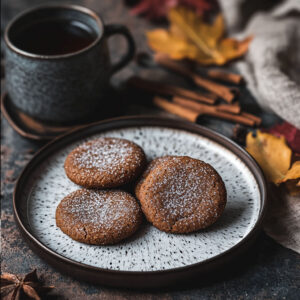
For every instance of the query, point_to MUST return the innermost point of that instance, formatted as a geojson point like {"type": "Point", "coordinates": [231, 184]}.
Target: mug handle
{"type": "Point", "coordinates": [126, 58]}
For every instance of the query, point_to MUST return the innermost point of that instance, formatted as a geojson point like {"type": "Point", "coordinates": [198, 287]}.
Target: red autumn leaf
{"type": "Point", "coordinates": [291, 134]}
{"type": "Point", "coordinates": [157, 9]}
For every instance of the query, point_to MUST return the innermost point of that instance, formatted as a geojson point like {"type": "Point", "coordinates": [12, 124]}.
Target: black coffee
{"type": "Point", "coordinates": [54, 37]}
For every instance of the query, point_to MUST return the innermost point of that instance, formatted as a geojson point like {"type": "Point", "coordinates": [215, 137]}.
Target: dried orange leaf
{"type": "Point", "coordinates": [271, 153]}
{"type": "Point", "coordinates": [232, 49]}
{"type": "Point", "coordinates": [168, 43]}
{"type": "Point", "coordinates": [292, 173]}
{"type": "Point", "coordinates": [190, 37]}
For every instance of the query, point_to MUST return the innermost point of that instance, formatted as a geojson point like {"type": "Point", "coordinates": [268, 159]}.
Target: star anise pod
{"type": "Point", "coordinates": [15, 288]}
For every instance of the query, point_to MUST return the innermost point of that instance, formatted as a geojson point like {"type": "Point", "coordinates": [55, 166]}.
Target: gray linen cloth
{"type": "Point", "coordinates": [272, 65]}
{"type": "Point", "coordinates": [272, 71]}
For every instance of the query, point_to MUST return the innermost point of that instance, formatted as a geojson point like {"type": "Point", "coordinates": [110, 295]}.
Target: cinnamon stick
{"type": "Point", "coordinates": [218, 89]}
{"type": "Point", "coordinates": [175, 109]}
{"type": "Point", "coordinates": [225, 76]}
{"type": "Point", "coordinates": [170, 90]}
{"type": "Point", "coordinates": [256, 119]}
{"type": "Point", "coordinates": [234, 109]}
{"type": "Point", "coordinates": [189, 113]}
{"type": "Point", "coordinates": [203, 109]}
{"type": "Point", "coordinates": [231, 108]}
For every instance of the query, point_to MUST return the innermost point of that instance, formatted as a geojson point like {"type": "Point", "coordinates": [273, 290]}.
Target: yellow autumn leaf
{"type": "Point", "coordinates": [271, 153]}
{"type": "Point", "coordinates": [291, 179]}
{"type": "Point", "coordinates": [292, 173]}
{"type": "Point", "coordinates": [190, 37]}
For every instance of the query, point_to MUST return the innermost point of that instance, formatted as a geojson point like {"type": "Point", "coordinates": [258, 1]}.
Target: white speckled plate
{"type": "Point", "coordinates": [43, 184]}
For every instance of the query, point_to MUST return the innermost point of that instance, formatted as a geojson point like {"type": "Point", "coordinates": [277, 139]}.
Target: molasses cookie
{"type": "Point", "coordinates": [98, 217]}
{"type": "Point", "coordinates": [151, 166]}
{"type": "Point", "coordinates": [105, 163]}
{"type": "Point", "coordinates": [180, 194]}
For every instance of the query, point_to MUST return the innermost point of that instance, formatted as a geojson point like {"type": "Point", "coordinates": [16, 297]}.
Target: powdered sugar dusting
{"type": "Point", "coordinates": [184, 187]}
{"type": "Point", "coordinates": [181, 194]}
{"type": "Point", "coordinates": [106, 156]}
{"type": "Point", "coordinates": [100, 208]}
{"type": "Point", "coordinates": [104, 162]}
{"type": "Point", "coordinates": [149, 249]}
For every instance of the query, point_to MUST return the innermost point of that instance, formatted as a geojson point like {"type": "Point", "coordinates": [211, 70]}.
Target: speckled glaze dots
{"type": "Point", "coordinates": [149, 249]}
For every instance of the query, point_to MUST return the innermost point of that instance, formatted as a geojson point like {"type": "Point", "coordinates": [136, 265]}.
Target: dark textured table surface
{"type": "Point", "coordinates": [266, 271]}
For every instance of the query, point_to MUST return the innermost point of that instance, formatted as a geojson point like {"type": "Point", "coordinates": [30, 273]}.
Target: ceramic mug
{"type": "Point", "coordinates": [64, 87]}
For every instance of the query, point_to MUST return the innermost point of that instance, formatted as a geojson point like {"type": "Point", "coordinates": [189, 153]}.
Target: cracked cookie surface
{"type": "Point", "coordinates": [98, 217]}
{"type": "Point", "coordinates": [180, 194]}
{"type": "Point", "coordinates": [105, 163]}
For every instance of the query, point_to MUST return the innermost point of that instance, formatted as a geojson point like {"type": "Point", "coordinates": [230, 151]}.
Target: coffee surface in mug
{"type": "Point", "coordinates": [54, 37]}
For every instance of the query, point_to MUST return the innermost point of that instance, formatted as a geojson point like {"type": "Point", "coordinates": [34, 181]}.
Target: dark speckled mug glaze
{"type": "Point", "coordinates": [68, 87]}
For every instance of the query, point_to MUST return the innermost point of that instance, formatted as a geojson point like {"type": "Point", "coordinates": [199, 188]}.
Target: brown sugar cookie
{"type": "Point", "coordinates": [105, 163]}
{"type": "Point", "coordinates": [180, 194]}
{"type": "Point", "coordinates": [149, 168]}
{"type": "Point", "coordinates": [98, 217]}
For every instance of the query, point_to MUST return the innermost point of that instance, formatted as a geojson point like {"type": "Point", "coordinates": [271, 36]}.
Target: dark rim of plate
{"type": "Point", "coordinates": [87, 272]}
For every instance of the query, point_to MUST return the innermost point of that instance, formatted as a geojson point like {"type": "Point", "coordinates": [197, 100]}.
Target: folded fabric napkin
{"type": "Point", "coordinates": [272, 64]}
{"type": "Point", "coordinates": [282, 222]}
{"type": "Point", "coordinates": [272, 71]}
